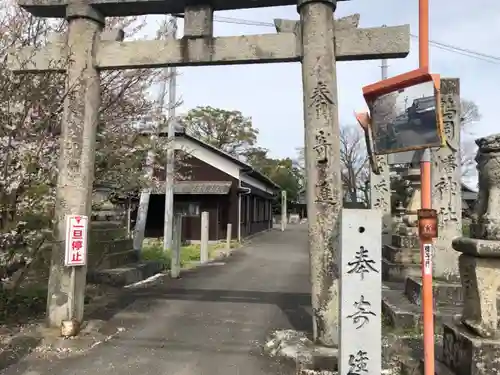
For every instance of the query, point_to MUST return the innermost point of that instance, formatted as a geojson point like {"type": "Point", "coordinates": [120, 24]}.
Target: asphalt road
{"type": "Point", "coordinates": [213, 321]}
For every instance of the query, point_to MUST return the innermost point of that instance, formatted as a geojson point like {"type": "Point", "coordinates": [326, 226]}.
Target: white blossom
{"type": "Point", "coordinates": [30, 127]}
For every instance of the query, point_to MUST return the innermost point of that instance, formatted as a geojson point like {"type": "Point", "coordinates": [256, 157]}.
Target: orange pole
{"type": "Point", "coordinates": [426, 202]}
{"type": "Point", "coordinates": [423, 33]}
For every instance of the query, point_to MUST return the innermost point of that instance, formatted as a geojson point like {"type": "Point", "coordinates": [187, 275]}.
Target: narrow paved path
{"type": "Point", "coordinates": [211, 322]}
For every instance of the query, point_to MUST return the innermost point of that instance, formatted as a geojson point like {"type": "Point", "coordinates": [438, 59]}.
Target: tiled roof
{"type": "Point", "coordinates": [181, 132]}
{"type": "Point", "coordinates": [197, 187]}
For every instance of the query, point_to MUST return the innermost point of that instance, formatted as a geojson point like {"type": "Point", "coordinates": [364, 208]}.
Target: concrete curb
{"type": "Point", "coordinates": [125, 275]}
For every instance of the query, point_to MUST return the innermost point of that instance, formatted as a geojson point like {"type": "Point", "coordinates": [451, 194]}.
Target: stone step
{"type": "Point", "coordinates": [409, 352]}
{"type": "Point", "coordinates": [399, 313]}
{"type": "Point", "coordinates": [394, 271]}
{"type": "Point", "coordinates": [401, 255]}
{"type": "Point", "coordinates": [444, 292]}
{"type": "Point", "coordinates": [475, 356]}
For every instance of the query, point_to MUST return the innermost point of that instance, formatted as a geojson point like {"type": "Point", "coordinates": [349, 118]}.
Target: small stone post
{"type": "Point", "coordinates": [175, 265]}
{"type": "Point", "coordinates": [322, 148]}
{"type": "Point", "coordinates": [204, 238]}
{"type": "Point", "coordinates": [229, 236]}
{"type": "Point", "coordinates": [76, 163]}
{"type": "Point", "coordinates": [284, 210]}
{"type": "Point", "coordinates": [446, 183]}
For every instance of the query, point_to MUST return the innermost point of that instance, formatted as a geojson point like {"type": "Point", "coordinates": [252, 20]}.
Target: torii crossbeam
{"type": "Point", "coordinates": [350, 44]}
{"type": "Point", "coordinates": [122, 8]}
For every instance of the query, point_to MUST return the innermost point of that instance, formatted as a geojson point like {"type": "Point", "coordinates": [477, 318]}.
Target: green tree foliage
{"type": "Point", "coordinates": [285, 172]}
{"type": "Point", "coordinates": [229, 131]}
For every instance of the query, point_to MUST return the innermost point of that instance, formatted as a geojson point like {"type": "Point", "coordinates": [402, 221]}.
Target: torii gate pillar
{"type": "Point", "coordinates": [76, 162]}
{"type": "Point", "coordinates": [322, 150]}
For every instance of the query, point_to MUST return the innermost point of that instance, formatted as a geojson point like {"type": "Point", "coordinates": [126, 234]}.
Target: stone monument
{"type": "Point", "coordinates": [446, 183]}
{"type": "Point", "coordinates": [472, 345]}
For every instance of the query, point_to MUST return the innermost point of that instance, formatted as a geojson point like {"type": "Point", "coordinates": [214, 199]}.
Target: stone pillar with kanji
{"type": "Point", "coordinates": [446, 183]}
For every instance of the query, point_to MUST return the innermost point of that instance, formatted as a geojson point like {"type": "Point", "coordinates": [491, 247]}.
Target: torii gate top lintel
{"type": "Point", "coordinates": [123, 8]}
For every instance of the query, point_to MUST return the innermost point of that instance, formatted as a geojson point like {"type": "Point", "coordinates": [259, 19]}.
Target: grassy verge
{"type": "Point", "coordinates": [190, 254]}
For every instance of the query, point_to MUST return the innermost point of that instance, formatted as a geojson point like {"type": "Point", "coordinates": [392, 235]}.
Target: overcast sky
{"type": "Point", "coordinates": [272, 94]}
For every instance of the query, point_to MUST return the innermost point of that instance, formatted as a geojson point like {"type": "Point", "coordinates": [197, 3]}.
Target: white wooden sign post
{"type": "Point", "coordinates": [75, 251]}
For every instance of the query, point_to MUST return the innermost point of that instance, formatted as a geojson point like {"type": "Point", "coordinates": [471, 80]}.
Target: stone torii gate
{"type": "Point", "coordinates": [317, 43]}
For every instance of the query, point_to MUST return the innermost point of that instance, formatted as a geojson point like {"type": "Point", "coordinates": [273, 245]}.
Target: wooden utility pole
{"type": "Point", "coordinates": [142, 211]}
{"type": "Point", "coordinates": [170, 167]}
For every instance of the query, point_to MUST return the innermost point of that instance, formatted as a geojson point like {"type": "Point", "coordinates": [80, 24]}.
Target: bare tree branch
{"type": "Point", "coordinates": [354, 162]}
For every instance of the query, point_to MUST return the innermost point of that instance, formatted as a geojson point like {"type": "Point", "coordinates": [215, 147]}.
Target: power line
{"type": "Point", "coordinates": [440, 45]}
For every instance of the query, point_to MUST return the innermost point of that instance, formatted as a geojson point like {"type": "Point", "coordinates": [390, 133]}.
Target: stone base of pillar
{"type": "Point", "coordinates": [467, 354]}
{"type": "Point", "coordinates": [295, 347]}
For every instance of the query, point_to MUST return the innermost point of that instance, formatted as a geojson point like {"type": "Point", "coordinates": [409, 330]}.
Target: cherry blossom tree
{"type": "Point", "coordinates": [30, 122]}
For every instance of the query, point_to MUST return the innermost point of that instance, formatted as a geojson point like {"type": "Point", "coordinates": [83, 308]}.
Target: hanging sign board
{"type": "Point", "coordinates": [76, 240]}
{"type": "Point", "coordinates": [405, 113]}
